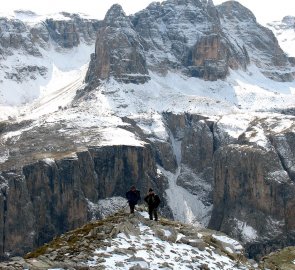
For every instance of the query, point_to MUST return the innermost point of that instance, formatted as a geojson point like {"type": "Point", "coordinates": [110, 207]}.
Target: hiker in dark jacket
{"type": "Point", "coordinates": [153, 202]}
{"type": "Point", "coordinates": [133, 196]}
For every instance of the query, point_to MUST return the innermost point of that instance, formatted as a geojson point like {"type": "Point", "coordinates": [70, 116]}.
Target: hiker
{"type": "Point", "coordinates": [153, 202]}
{"type": "Point", "coordinates": [133, 196]}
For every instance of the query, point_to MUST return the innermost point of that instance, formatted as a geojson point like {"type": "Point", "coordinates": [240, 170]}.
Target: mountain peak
{"type": "Point", "coordinates": [115, 14]}
{"type": "Point", "coordinates": [237, 10]}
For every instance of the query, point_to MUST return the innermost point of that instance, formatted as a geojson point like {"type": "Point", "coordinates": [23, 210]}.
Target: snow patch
{"type": "Point", "coordinates": [117, 136]}
{"type": "Point", "coordinates": [248, 233]}
{"type": "Point", "coordinates": [285, 35]}
{"type": "Point", "coordinates": [232, 245]}
{"type": "Point", "coordinates": [256, 135]}
{"type": "Point", "coordinates": [49, 161]}
{"type": "Point", "coordinates": [186, 207]}
{"type": "Point", "coordinates": [4, 183]}
{"type": "Point", "coordinates": [63, 68]}
{"type": "Point", "coordinates": [234, 124]}
{"type": "Point", "coordinates": [278, 176]}
{"type": "Point", "coordinates": [4, 156]}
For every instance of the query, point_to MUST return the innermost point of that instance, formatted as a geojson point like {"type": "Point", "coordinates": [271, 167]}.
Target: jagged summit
{"type": "Point", "coordinates": [124, 241]}
{"type": "Point", "coordinates": [116, 17]}
{"type": "Point", "coordinates": [188, 36]}
{"type": "Point", "coordinates": [118, 51]}
{"type": "Point", "coordinates": [235, 10]}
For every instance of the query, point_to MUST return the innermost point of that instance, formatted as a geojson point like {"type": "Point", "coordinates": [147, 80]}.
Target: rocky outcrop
{"type": "Point", "coordinates": [68, 33]}
{"type": "Point", "coordinates": [199, 49]}
{"type": "Point", "coordinates": [16, 35]}
{"type": "Point", "coordinates": [281, 259]}
{"type": "Point", "coordinates": [53, 196]}
{"type": "Point", "coordinates": [193, 37]}
{"type": "Point", "coordinates": [212, 56]}
{"type": "Point", "coordinates": [118, 51]}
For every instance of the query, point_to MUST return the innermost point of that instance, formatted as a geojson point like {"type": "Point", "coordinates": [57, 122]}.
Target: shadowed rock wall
{"type": "Point", "coordinates": [51, 197]}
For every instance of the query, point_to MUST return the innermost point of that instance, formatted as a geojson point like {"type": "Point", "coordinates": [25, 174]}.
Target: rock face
{"type": "Point", "coordinates": [69, 33]}
{"type": "Point", "coordinates": [208, 58]}
{"type": "Point", "coordinates": [118, 51]}
{"type": "Point", "coordinates": [51, 197]}
{"type": "Point", "coordinates": [191, 144]}
{"type": "Point", "coordinates": [253, 190]}
{"type": "Point", "coordinates": [187, 35]}
{"type": "Point", "coordinates": [16, 35]}
{"type": "Point", "coordinates": [28, 48]}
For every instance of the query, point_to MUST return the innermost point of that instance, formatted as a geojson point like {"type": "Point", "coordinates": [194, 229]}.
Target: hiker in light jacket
{"type": "Point", "coordinates": [153, 202]}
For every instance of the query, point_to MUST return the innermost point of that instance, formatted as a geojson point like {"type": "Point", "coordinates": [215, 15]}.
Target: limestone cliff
{"type": "Point", "coordinates": [53, 196]}
{"type": "Point", "coordinates": [253, 189]}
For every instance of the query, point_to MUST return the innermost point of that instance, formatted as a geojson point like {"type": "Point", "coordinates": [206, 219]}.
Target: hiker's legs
{"type": "Point", "coordinates": [151, 209]}
{"type": "Point", "coordinates": [156, 214]}
{"type": "Point", "coordinates": [132, 206]}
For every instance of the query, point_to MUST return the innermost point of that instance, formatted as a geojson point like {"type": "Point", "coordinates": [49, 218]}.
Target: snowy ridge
{"type": "Point", "coordinates": [124, 241]}
{"type": "Point", "coordinates": [33, 18]}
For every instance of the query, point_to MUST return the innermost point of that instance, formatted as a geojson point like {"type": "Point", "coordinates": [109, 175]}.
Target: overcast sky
{"type": "Point", "coordinates": [264, 10]}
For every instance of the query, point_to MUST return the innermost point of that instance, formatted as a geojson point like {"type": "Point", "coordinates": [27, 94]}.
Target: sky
{"type": "Point", "coordinates": [264, 10]}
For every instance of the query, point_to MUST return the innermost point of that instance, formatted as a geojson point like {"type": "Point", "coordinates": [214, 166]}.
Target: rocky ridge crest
{"type": "Point", "coordinates": [133, 241]}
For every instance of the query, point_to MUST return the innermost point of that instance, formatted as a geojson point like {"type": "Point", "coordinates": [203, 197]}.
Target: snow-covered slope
{"type": "Point", "coordinates": [60, 68]}
{"type": "Point", "coordinates": [42, 54]}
